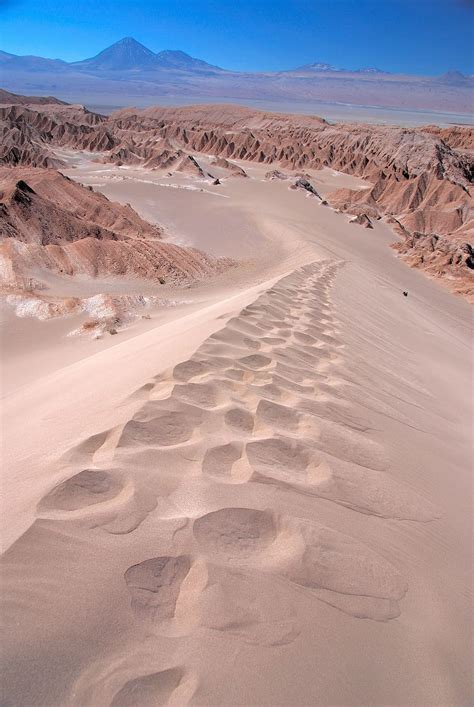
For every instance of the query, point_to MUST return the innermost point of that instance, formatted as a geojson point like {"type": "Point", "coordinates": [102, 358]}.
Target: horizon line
{"type": "Point", "coordinates": [248, 71]}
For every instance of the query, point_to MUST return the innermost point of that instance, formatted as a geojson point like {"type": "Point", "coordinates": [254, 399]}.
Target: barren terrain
{"type": "Point", "coordinates": [236, 456]}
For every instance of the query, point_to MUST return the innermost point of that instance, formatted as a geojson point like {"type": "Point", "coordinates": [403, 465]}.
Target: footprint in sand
{"type": "Point", "coordinates": [270, 391]}
{"type": "Point", "coordinates": [96, 497]}
{"type": "Point", "coordinates": [155, 584]}
{"type": "Point", "coordinates": [87, 488]}
{"type": "Point", "coordinates": [304, 338]}
{"type": "Point", "coordinates": [205, 395]}
{"type": "Point", "coordinates": [239, 375]}
{"type": "Point", "coordinates": [243, 326]}
{"type": "Point", "coordinates": [233, 338]}
{"type": "Point", "coordinates": [227, 463]}
{"type": "Point", "coordinates": [375, 493]}
{"type": "Point", "coordinates": [161, 427]}
{"type": "Point", "coordinates": [255, 361]}
{"type": "Point", "coordinates": [237, 603]}
{"type": "Point", "coordinates": [333, 567]}
{"type": "Point", "coordinates": [300, 466]}
{"type": "Point", "coordinates": [276, 416]}
{"type": "Point", "coordinates": [239, 420]}
{"type": "Point", "coordinates": [234, 534]}
{"type": "Point", "coordinates": [284, 459]}
{"type": "Point", "coordinates": [149, 690]}
{"type": "Point", "coordinates": [345, 573]}
{"type": "Point", "coordinates": [187, 370]}
{"type": "Point", "coordinates": [84, 452]}
{"type": "Point", "coordinates": [291, 386]}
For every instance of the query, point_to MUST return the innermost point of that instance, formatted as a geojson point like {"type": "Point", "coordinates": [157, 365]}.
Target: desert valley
{"type": "Point", "coordinates": [236, 406]}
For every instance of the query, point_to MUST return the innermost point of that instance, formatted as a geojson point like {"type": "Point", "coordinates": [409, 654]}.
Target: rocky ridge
{"type": "Point", "coordinates": [51, 226]}
{"type": "Point", "coordinates": [422, 178]}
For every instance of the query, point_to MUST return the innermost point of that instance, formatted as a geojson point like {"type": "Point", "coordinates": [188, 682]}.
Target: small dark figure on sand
{"type": "Point", "coordinates": [405, 294]}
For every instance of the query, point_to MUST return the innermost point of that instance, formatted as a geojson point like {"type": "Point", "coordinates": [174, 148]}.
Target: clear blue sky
{"type": "Point", "coordinates": [414, 36]}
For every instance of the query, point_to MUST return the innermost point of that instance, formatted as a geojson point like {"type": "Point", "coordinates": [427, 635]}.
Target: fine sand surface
{"type": "Point", "coordinates": [260, 498]}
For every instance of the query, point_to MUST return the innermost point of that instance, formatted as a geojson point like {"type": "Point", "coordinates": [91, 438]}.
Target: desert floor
{"type": "Point", "coordinates": [332, 112]}
{"type": "Point", "coordinates": [259, 496]}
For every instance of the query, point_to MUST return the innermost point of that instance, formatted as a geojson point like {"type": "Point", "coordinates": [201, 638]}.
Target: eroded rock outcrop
{"type": "Point", "coordinates": [421, 177]}
{"type": "Point", "coordinates": [305, 184]}
{"type": "Point", "coordinates": [49, 223]}
{"type": "Point", "coordinates": [362, 220]}
{"type": "Point", "coordinates": [234, 169]}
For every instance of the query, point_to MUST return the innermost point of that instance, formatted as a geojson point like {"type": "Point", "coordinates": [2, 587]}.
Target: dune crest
{"type": "Point", "coordinates": [269, 411]}
{"type": "Point", "coordinates": [261, 495]}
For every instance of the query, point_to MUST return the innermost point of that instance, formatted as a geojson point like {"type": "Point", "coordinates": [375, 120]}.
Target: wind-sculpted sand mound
{"type": "Point", "coordinates": [250, 502]}
{"type": "Point", "coordinates": [50, 224]}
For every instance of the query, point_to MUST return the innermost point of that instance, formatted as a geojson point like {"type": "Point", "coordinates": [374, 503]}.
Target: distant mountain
{"type": "Point", "coordinates": [175, 59]}
{"type": "Point", "coordinates": [130, 55]}
{"type": "Point", "coordinates": [128, 72]}
{"type": "Point", "coordinates": [321, 67]}
{"type": "Point", "coordinates": [12, 62]}
{"type": "Point", "coordinates": [121, 56]}
{"type": "Point", "coordinates": [371, 70]}
{"type": "Point", "coordinates": [454, 78]}
{"type": "Point", "coordinates": [6, 98]}
{"type": "Point", "coordinates": [316, 66]}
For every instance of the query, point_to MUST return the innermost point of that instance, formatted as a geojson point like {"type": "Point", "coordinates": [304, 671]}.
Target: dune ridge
{"type": "Point", "coordinates": [269, 404]}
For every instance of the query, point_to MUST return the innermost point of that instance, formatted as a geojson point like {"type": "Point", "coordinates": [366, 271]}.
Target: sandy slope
{"type": "Point", "coordinates": [263, 502]}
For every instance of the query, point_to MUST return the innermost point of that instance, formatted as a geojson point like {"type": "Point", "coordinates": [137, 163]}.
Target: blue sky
{"type": "Point", "coordinates": [424, 36]}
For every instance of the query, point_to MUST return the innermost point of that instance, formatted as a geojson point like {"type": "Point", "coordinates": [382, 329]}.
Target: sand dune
{"type": "Point", "coordinates": [262, 497]}
{"type": "Point", "coordinates": [254, 497]}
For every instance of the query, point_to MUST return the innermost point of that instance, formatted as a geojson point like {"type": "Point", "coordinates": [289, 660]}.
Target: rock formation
{"type": "Point", "coordinates": [421, 178]}
{"type": "Point", "coordinates": [50, 224]}
{"type": "Point", "coordinates": [189, 165]}
{"type": "Point", "coordinates": [233, 169]}
{"type": "Point", "coordinates": [303, 183]}
{"type": "Point", "coordinates": [362, 220]}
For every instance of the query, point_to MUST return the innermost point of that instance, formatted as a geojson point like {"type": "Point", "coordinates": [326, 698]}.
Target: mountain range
{"type": "Point", "coordinates": [130, 55]}
{"type": "Point", "coordinates": [125, 55]}
{"type": "Point", "coordinates": [127, 71]}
